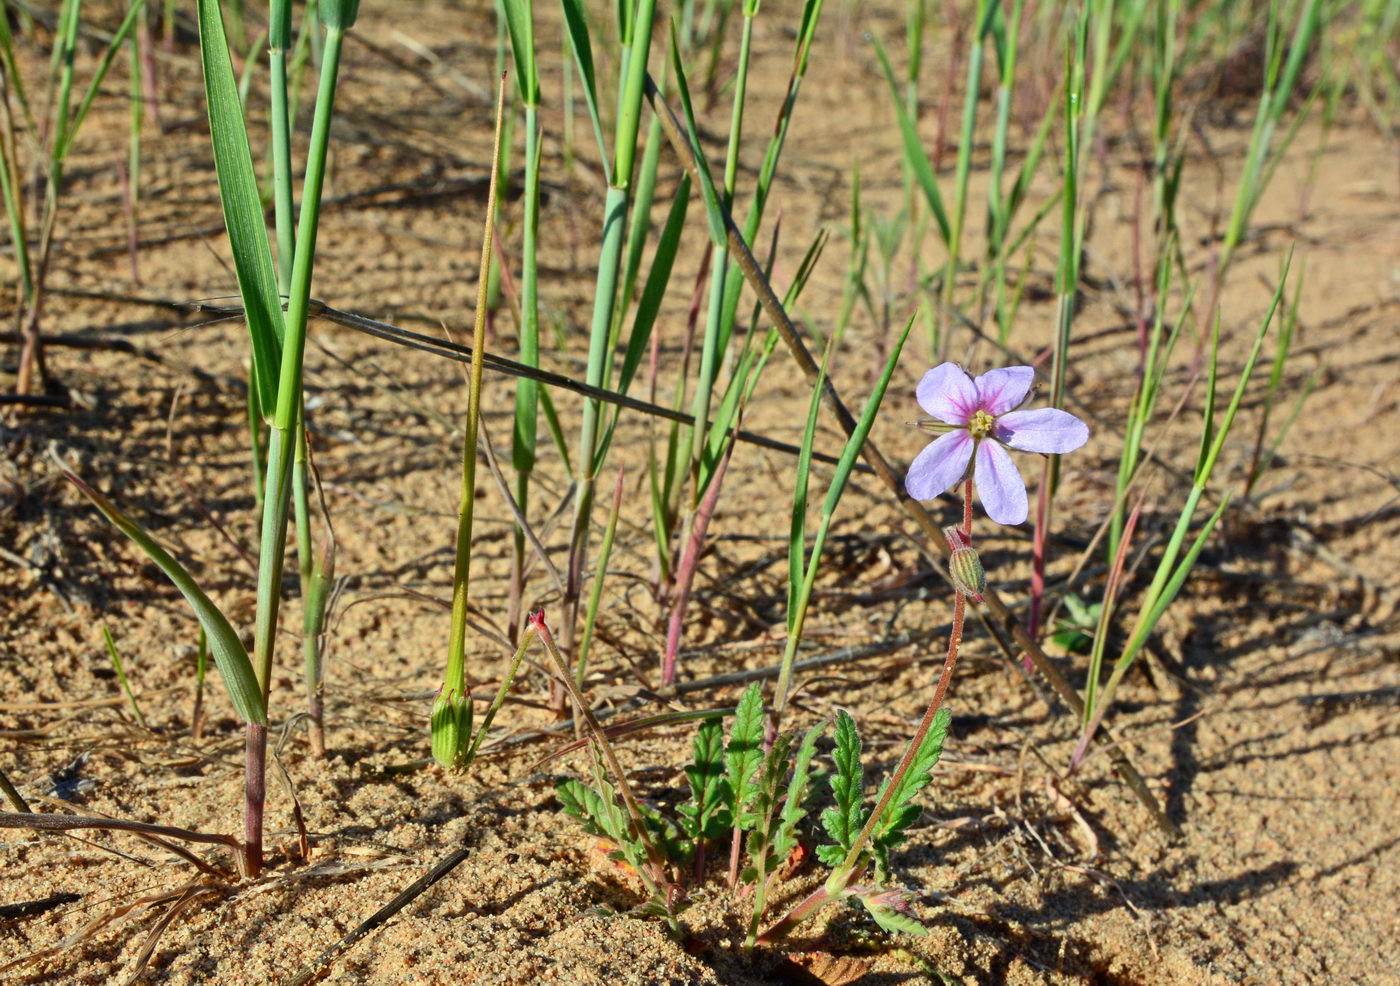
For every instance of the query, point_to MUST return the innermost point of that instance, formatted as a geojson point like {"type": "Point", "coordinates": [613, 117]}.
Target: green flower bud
{"type": "Point", "coordinates": [452, 729]}
{"type": "Point", "coordinates": [964, 565]}
{"type": "Point", "coordinates": [965, 568]}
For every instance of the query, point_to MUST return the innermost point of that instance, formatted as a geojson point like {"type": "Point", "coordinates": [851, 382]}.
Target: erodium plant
{"type": "Point", "coordinates": [759, 782]}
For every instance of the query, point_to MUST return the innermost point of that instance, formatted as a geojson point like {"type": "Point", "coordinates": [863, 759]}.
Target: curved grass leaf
{"type": "Point", "coordinates": [520, 22]}
{"type": "Point", "coordinates": [714, 211]}
{"type": "Point", "coordinates": [70, 127]}
{"type": "Point", "coordinates": [576, 20]}
{"type": "Point", "coordinates": [914, 152]}
{"type": "Point", "coordinates": [229, 652]}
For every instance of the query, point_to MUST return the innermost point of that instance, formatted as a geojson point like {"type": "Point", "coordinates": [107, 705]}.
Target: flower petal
{"type": "Point", "coordinates": [1045, 429]}
{"type": "Point", "coordinates": [940, 465]}
{"type": "Point", "coordinates": [999, 485]}
{"type": "Point", "coordinates": [998, 391]}
{"type": "Point", "coordinates": [947, 393]}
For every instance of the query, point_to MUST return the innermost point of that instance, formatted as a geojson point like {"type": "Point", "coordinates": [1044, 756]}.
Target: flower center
{"type": "Point", "coordinates": [981, 424]}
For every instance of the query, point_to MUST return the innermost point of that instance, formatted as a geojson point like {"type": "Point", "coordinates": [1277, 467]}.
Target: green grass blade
{"type": "Point", "coordinates": [121, 675]}
{"type": "Point", "coordinates": [797, 532]}
{"type": "Point", "coordinates": [229, 653]}
{"type": "Point", "coordinates": [576, 23]}
{"type": "Point", "coordinates": [714, 215]}
{"type": "Point", "coordinates": [854, 443]}
{"type": "Point", "coordinates": [69, 128]}
{"type": "Point", "coordinates": [520, 22]}
{"type": "Point", "coordinates": [914, 151]}
{"type": "Point", "coordinates": [242, 205]}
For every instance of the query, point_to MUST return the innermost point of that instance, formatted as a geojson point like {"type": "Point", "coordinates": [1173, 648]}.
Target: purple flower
{"type": "Point", "coordinates": [967, 412]}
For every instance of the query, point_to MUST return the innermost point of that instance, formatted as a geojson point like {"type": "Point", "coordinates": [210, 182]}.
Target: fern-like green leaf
{"type": "Point", "coordinates": [798, 791]}
{"type": "Point", "coordinates": [706, 817]}
{"type": "Point", "coordinates": [745, 752]}
{"type": "Point", "coordinates": [760, 820]}
{"type": "Point", "coordinates": [903, 810]}
{"type": "Point", "coordinates": [614, 820]}
{"type": "Point", "coordinates": [666, 835]}
{"type": "Point", "coordinates": [582, 802]}
{"type": "Point", "coordinates": [843, 821]}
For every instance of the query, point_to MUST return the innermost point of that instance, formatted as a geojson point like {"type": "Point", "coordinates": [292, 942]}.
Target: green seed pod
{"type": "Point", "coordinates": [965, 568]}
{"type": "Point", "coordinates": [452, 729]}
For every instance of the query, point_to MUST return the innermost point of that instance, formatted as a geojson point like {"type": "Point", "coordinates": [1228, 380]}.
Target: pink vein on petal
{"type": "Point", "coordinates": [999, 485]}
{"type": "Point", "coordinates": [1000, 390]}
{"type": "Point", "coordinates": [1044, 429]}
{"type": "Point", "coordinates": [947, 393]}
{"type": "Point", "coordinates": [940, 465]}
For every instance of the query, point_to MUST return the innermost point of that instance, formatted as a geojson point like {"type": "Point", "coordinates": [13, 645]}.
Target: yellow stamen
{"type": "Point", "coordinates": [981, 424]}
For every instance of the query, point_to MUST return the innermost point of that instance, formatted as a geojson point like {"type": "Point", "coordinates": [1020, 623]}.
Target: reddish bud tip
{"type": "Point", "coordinates": [956, 538]}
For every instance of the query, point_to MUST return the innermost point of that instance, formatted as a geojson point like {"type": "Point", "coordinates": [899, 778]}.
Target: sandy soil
{"type": "Point", "coordinates": [1266, 722]}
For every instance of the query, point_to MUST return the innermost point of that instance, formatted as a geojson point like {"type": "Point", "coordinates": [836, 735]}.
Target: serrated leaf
{"type": "Point", "coordinates": [843, 821]}
{"type": "Point", "coordinates": [584, 803]}
{"type": "Point", "coordinates": [612, 817]}
{"type": "Point", "coordinates": [666, 835]}
{"type": "Point", "coordinates": [831, 855]}
{"type": "Point", "coordinates": [744, 754]}
{"type": "Point", "coordinates": [901, 811]}
{"type": "Point", "coordinates": [798, 791]}
{"type": "Point", "coordinates": [761, 823]}
{"type": "Point", "coordinates": [701, 816]}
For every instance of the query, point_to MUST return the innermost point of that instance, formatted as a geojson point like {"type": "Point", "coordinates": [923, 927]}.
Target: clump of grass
{"type": "Point", "coordinates": [53, 140]}
{"type": "Point", "coordinates": [277, 341]}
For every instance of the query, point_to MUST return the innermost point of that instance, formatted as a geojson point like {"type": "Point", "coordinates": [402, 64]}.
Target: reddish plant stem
{"type": "Point", "coordinates": [685, 573]}
{"type": "Point", "coordinates": [951, 662]}
{"type": "Point", "coordinates": [808, 906]}
{"type": "Point", "coordinates": [941, 689]}
{"type": "Point", "coordinates": [1038, 558]}
{"type": "Point", "coordinates": [736, 841]}
{"type": "Point", "coordinates": [849, 870]}
{"type": "Point", "coordinates": [254, 796]}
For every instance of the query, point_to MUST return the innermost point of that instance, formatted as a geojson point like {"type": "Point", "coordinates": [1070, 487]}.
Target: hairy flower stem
{"type": "Point", "coordinates": [851, 867]}
{"type": "Point", "coordinates": [655, 880]}
{"type": "Point", "coordinates": [809, 905]}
